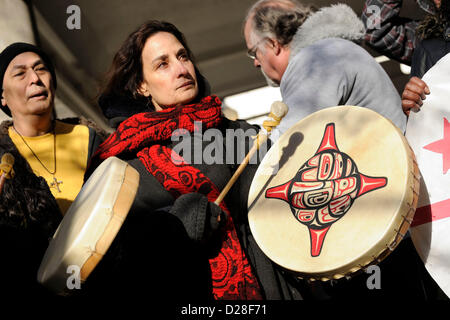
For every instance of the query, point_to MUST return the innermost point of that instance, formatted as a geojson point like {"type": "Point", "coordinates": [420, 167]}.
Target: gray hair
{"type": "Point", "coordinates": [277, 19]}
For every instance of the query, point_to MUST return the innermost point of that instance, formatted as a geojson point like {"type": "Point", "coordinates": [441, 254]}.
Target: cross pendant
{"type": "Point", "coordinates": [55, 184]}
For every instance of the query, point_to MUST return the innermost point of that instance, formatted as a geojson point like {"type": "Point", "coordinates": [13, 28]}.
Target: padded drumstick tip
{"type": "Point", "coordinates": [6, 165]}
{"type": "Point", "coordinates": [279, 109]}
{"type": "Point", "coordinates": [8, 159]}
{"type": "Point", "coordinates": [6, 170]}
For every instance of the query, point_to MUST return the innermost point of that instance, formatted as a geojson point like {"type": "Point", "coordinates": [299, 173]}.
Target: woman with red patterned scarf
{"type": "Point", "coordinates": [189, 248]}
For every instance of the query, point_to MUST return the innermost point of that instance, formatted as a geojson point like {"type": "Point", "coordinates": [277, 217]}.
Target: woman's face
{"type": "Point", "coordinates": [169, 74]}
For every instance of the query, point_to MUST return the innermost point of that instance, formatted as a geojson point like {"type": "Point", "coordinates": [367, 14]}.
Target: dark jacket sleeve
{"type": "Point", "coordinates": [387, 32]}
{"type": "Point", "coordinates": [198, 215]}
{"type": "Point", "coordinates": [427, 53]}
{"type": "Point", "coordinates": [421, 62]}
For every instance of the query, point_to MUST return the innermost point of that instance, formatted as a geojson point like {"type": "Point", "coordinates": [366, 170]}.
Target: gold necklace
{"type": "Point", "coordinates": [55, 183]}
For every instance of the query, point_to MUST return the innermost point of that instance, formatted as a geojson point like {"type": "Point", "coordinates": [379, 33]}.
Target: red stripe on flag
{"type": "Point", "coordinates": [429, 213]}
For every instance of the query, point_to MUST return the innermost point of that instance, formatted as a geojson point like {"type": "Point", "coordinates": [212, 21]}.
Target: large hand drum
{"type": "Point", "coordinates": [90, 225]}
{"type": "Point", "coordinates": [428, 133]}
{"type": "Point", "coordinates": [334, 194]}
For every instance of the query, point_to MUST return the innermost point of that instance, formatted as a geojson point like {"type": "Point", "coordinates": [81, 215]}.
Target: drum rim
{"type": "Point", "coordinates": [53, 275]}
{"type": "Point", "coordinates": [397, 222]}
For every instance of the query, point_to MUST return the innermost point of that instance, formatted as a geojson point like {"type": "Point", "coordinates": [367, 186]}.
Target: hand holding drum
{"type": "Point", "coordinates": [277, 111]}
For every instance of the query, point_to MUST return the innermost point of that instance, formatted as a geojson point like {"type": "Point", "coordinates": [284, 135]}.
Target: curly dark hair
{"type": "Point", "coordinates": [435, 25]}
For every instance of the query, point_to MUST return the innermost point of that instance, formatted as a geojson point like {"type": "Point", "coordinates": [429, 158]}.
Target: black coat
{"type": "Point", "coordinates": [427, 53]}
{"type": "Point", "coordinates": [165, 243]}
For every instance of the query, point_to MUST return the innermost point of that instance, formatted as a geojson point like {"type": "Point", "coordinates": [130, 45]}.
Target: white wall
{"type": "Point", "coordinates": [15, 26]}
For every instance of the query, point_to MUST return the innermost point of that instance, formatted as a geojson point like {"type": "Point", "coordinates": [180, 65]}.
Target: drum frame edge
{"type": "Point", "coordinates": [120, 211]}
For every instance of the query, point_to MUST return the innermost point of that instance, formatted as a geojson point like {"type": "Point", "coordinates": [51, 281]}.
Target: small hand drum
{"type": "Point", "coordinates": [335, 194]}
{"type": "Point", "coordinates": [90, 225]}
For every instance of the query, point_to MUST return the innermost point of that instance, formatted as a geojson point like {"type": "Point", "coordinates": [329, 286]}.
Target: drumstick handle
{"type": "Point", "coordinates": [277, 111]}
{"type": "Point", "coordinates": [260, 139]}
{"type": "Point", "coordinates": [6, 164]}
{"type": "Point", "coordinates": [2, 181]}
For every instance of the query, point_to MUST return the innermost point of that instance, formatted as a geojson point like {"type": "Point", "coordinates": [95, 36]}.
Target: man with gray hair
{"type": "Point", "coordinates": [312, 56]}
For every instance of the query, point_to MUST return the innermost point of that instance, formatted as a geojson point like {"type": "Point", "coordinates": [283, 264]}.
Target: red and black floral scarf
{"type": "Point", "coordinates": [141, 134]}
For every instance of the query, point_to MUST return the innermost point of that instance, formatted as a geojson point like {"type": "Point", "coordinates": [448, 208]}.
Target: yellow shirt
{"type": "Point", "coordinates": [72, 143]}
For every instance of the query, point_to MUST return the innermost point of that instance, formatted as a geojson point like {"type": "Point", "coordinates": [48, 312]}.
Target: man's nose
{"type": "Point", "coordinates": [34, 77]}
{"type": "Point", "coordinates": [256, 63]}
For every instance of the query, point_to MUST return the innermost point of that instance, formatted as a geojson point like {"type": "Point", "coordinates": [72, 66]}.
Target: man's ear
{"type": "Point", "coordinates": [3, 101]}
{"type": "Point", "coordinates": [276, 46]}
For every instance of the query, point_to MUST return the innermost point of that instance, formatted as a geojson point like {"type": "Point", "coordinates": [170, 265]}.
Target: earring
{"type": "Point", "coordinates": [149, 103]}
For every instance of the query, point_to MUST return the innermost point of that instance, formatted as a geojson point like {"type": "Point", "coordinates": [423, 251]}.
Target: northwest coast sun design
{"type": "Point", "coordinates": [324, 189]}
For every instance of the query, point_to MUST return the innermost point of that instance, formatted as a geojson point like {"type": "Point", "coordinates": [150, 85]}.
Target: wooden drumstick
{"type": "Point", "coordinates": [6, 165]}
{"type": "Point", "coordinates": [277, 111]}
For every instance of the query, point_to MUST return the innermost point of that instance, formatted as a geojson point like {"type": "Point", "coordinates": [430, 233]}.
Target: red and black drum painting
{"type": "Point", "coordinates": [324, 189]}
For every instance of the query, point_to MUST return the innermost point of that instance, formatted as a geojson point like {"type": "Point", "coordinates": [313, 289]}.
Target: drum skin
{"type": "Point", "coordinates": [335, 194]}
{"type": "Point", "coordinates": [90, 225]}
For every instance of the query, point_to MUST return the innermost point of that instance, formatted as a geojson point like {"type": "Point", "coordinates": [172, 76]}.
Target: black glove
{"type": "Point", "coordinates": [199, 216]}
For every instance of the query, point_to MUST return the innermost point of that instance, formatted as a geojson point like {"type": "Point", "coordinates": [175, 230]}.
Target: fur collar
{"type": "Point", "coordinates": [4, 126]}
{"type": "Point", "coordinates": [336, 21]}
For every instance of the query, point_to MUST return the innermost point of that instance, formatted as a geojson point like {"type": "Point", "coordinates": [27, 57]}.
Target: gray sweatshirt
{"type": "Point", "coordinates": [327, 69]}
